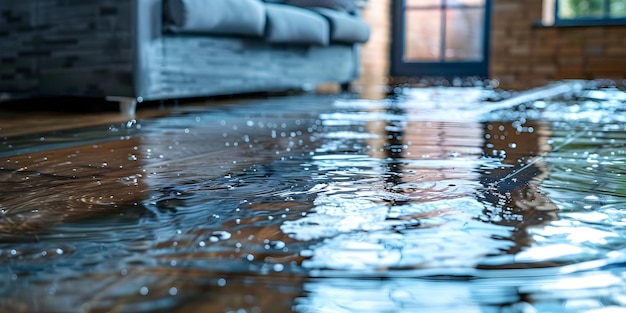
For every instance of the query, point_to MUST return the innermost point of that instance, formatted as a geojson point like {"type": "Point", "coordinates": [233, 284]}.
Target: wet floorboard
{"type": "Point", "coordinates": [433, 200]}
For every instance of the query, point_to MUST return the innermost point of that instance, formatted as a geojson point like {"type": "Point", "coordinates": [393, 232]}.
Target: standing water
{"type": "Point", "coordinates": [433, 200]}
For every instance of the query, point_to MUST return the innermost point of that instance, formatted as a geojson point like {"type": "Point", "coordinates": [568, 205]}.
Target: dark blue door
{"type": "Point", "coordinates": [443, 38]}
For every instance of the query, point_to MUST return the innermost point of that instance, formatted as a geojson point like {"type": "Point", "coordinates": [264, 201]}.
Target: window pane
{"type": "Point", "coordinates": [439, 3]}
{"type": "Point", "coordinates": [466, 2]}
{"type": "Point", "coordinates": [571, 9]}
{"type": "Point", "coordinates": [422, 36]}
{"type": "Point", "coordinates": [423, 3]}
{"type": "Point", "coordinates": [464, 34]}
{"type": "Point", "coordinates": [618, 8]}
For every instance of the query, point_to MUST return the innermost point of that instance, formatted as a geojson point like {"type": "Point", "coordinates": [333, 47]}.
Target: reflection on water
{"type": "Point", "coordinates": [425, 201]}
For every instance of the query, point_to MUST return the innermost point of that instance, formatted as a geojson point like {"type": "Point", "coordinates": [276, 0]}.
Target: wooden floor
{"type": "Point", "coordinates": [100, 179]}
{"type": "Point", "coordinates": [21, 118]}
{"type": "Point", "coordinates": [32, 116]}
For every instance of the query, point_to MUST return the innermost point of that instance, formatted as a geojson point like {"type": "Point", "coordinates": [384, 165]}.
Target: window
{"type": "Point", "coordinates": [443, 38]}
{"type": "Point", "coordinates": [584, 12]}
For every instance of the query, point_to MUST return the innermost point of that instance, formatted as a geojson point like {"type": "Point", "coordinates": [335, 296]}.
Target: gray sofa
{"type": "Point", "coordinates": [137, 50]}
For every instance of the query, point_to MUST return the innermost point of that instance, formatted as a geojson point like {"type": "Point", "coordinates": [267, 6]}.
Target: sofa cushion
{"type": "Point", "coordinates": [240, 17]}
{"type": "Point", "coordinates": [287, 24]}
{"type": "Point", "coordinates": [340, 5]}
{"type": "Point", "coordinates": [345, 27]}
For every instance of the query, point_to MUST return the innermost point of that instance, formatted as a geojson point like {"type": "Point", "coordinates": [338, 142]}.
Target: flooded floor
{"type": "Point", "coordinates": [433, 200]}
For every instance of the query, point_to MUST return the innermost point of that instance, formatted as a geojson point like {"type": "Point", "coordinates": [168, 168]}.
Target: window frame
{"type": "Point", "coordinates": [400, 67]}
{"type": "Point", "coordinates": [605, 20]}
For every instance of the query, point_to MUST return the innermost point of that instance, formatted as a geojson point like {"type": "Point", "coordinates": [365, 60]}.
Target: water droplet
{"type": "Point", "coordinates": [277, 244]}
{"type": "Point", "coordinates": [173, 291]}
{"type": "Point", "coordinates": [221, 282]}
{"type": "Point", "coordinates": [143, 291]}
{"type": "Point", "coordinates": [221, 235]}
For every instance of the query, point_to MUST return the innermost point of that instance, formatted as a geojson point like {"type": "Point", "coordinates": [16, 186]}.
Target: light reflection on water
{"type": "Point", "coordinates": [413, 203]}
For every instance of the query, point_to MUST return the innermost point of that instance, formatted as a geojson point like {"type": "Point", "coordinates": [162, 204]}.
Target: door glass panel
{"type": "Point", "coordinates": [423, 35]}
{"type": "Point", "coordinates": [423, 3]}
{"type": "Point", "coordinates": [440, 37]}
{"type": "Point", "coordinates": [466, 2]}
{"type": "Point", "coordinates": [464, 34]}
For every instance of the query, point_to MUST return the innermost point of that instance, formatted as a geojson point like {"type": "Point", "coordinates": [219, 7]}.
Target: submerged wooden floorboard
{"type": "Point", "coordinates": [49, 178]}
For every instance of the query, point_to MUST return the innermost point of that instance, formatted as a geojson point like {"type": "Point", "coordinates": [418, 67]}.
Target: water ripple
{"type": "Point", "coordinates": [336, 204]}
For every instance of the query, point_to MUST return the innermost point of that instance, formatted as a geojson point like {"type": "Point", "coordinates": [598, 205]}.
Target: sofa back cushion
{"type": "Point", "coordinates": [288, 24]}
{"type": "Point", "coordinates": [227, 17]}
{"type": "Point", "coordinates": [339, 5]}
{"type": "Point", "coordinates": [344, 27]}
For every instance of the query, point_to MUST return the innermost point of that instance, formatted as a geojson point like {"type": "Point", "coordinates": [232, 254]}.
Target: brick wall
{"type": "Point", "coordinates": [375, 54]}
{"type": "Point", "coordinates": [522, 55]}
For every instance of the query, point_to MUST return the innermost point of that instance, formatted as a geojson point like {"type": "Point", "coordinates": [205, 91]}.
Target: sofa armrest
{"type": "Point", "coordinates": [147, 31]}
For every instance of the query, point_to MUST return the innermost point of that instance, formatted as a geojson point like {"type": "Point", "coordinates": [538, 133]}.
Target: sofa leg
{"type": "Point", "coordinates": [128, 106]}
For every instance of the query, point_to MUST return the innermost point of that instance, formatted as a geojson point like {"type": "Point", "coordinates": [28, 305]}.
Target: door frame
{"type": "Point", "coordinates": [399, 67]}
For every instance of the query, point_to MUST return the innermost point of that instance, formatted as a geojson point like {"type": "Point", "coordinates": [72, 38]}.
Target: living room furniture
{"type": "Point", "coordinates": [137, 50]}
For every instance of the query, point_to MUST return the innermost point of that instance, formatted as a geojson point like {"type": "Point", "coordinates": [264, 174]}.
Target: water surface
{"type": "Point", "coordinates": [433, 200]}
